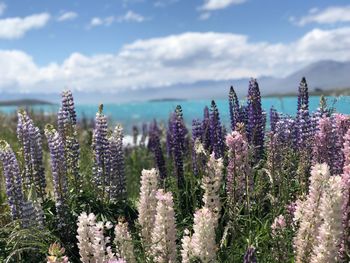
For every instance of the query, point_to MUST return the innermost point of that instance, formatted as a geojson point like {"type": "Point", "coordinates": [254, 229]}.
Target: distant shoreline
{"type": "Point", "coordinates": [24, 102]}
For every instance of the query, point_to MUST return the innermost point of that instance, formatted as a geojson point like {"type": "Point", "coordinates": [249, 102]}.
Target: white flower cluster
{"type": "Point", "coordinates": [307, 213]}
{"type": "Point", "coordinates": [329, 234]}
{"type": "Point", "coordinates": [211, 183]}
{"type": "Point", "coordinates": [123, 242]}
{"type": "Point", "coordinates": [320, 218]}
{"type": "Point", "coordinates": [202, 244]}
{"type": "Point", "coordinates": [164, 232]}
{"type": "Point", "coordinates": [147, 203]}
{"type": "Point", "coordinates": [93, 245]}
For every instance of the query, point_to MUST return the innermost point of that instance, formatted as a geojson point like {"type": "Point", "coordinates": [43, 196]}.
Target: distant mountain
{"type": "Point", "coordinates": [326, 75]}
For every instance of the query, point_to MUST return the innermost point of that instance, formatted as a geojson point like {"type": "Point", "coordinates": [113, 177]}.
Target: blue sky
{"type": "Point", "coordinates": [113, 45]}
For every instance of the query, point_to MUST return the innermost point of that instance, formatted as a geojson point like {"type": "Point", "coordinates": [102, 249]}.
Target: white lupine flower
{"type": "Point", "coordinates": [148, 202]}
{"type": "Point", "coordinates": [211, 183]}
{"type": "Point", "coordinates": [85, 235]}
{"type": "Point", "coordinates": [203, 244]}
{"type": "Point", "coordinates": [308, 213]}
{"type": "Point", "coordinates": [92, 244]}
{"type": "Point", "coordinates": [186, 247]}
{"type": "Point", "coordinates": [329, 236]}
{"type": "Point", "coordinates": [199, 147]}
{"type": "Point", "coordinates": [163, 248]}
{"type": "Point", "coordinates": [123, 242]}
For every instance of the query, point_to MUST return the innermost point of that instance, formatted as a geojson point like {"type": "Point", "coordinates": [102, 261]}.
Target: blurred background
{"type": "Point", "coordinates": [143, 57]}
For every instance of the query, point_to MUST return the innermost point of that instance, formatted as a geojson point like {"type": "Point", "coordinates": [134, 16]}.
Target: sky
{"type": "Point", "coordinates": [119, 45]}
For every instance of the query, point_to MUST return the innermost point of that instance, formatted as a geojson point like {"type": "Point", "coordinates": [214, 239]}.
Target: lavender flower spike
{"type": "Point", "coordinates": [216, 133]}
{"type": "Point", "coordinates": [234, 108]}
{"type": "Point", "coordinates": [59, 171]}
{"type": "Point", "coordinates": [13, 180]}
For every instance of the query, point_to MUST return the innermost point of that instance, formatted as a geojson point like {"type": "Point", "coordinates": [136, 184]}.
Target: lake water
{"type": "Point", "coordinates": [129, 114]}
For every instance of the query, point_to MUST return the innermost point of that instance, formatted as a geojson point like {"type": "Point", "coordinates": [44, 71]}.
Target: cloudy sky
{"type": "Point", "coordinates": [116, 45]}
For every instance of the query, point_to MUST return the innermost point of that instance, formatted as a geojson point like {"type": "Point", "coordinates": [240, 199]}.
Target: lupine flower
{"type": "Point", "coordinates": [324, 142]}
{"type": "Point", "coordinates": [123, 241]}
{"type": "Point", "coordinates": [206, 128]}
{"type": "Point", "coordinates": [197, 134]}
{"type": "Point", "coordinates": [345, 245]}
{"type": "Point", "coordinates": [186, 247]}
{"type": "Point", "coordinates": [163, 248]}
{"type": "Point", "coordinates": [13, 180]}
{"type": "Point", "coordinates": [100, 148]}
{"type": "Point", "coordinates": [329, 233]}
{"type": "Point", "coordinates": [211, 184]}
{"type": "Point", "coordinates": [216, 133]}
{"type": "Point", "coordinates": [115, 179]}
{"type": "Point", "coordinates": [147, 203]}
{"type": "Point", "coordinates": [93, 245]}
{"type": "Point", "coordinates": [67, 122]}
{"type": "Point", "coordinates": [303, 95]}
{"type": "Point", "coordinates": [256, 120]}
{"type": "Point", "coordinates": [238, 171]}
{"type": "Point", "coordinates": [59, 171]}
{"type": "Point", "coordinates": [234, 108]}
{"type": "Point", "coordinates": [341, 125]}
{"type": "Point", "coordinates": [249, 256]}
{"type": "Point", "coordinates": [178, 144]}
{"type": "Point", "coordinates": [30, 139]}
{"type": "Point", "coordinates": [57, 254]}
{"type": "Point", "coordinates": [274, 118]}
{"type": "Point", "coordinates": [154, 145]}
{"type": "Point", "coordinates": [203, 244]}
{"type": "Point", "coordinates": [308, 213]}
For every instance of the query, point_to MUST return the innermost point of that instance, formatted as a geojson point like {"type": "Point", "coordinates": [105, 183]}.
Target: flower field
{"type": "Point", "coordinates": [266, 188]}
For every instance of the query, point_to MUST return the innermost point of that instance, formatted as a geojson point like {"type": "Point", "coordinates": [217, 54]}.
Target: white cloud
{"type": "Point", "coordinates": [3, 7]}
{"type": "Point", "coordinates": [330, 15]}
{"type": "Point", "coordinates": [129, 16]}
{"type": "Point", "coordinates": [17, 27]}
{"type": "Point", "coordinates": [183, 58]}
{"type": "Point", "coordinates": [66, 16]}
{"type": "Point", "coordinates": [210, 5]}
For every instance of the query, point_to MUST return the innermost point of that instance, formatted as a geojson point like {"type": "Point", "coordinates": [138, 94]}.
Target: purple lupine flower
{"type": "Point", "coordinates": [59, 171]}
{"type": "Point", "coordinates": [206, 129]}
{"type": "Point", "coordinates": [178, 140]}
{"type": "Point", "coordinates": [303, 96]}
{"type": "Point", "coordinates": [116, 180]}
{"type": "Point", "coordinates": [101, 153]}
{"type": "Point", "coordinates": [256, 120]}
{"type": "Point", "coordinates": [234, 108]}
{"type": "Point", "coordinates": [249, 256]}
{"type": "Point", "coordinates": [155, 146]}
{"type": "Point", "coordinates": [197, 136]}
{"type": "Point", "coordinates": [169, 135]}
{"type": "Point", "coordinates": [285, 131]}
{"type": "Point", "coordinates": [216, 133]}
{"type": "Point", "coordinates": [274, 117]}
{"type": "Point", "coordinates": [303, 129]}
{"type": "Point", "coordinates": [341, 124]}
{"type": "Point", "coordinates": [67, 121]}
{"type": "Point", "coordinates": [30, 138]}
{"type": "Point", "coordinates": [321, 111]}
{"type": "Point", "coordinates": [13, 180]}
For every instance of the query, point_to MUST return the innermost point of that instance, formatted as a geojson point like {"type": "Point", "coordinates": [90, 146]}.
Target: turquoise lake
{"type": "Point", "coordinates": [129, 114]}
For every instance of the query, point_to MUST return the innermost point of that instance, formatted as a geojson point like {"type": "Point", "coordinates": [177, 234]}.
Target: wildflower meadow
{"type": "Point", "coordinates": [266, 187]}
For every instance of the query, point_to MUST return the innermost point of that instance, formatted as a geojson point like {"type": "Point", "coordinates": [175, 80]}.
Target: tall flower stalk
{"type": "Point", "coordinates": [59, 172]}
{"type": "Point", "coordinates": [33, 171]}
{"type": "Point", "coordinates": [67, 128]}
{"type": "Point", "coordinates": [256, 120]}
{"type": "Point", "coordinates": [234, 108]}
{"type": "Point", "coordinates": [123, 241]}
{"type": "Point", "coordinates": [163, 247]}
{"type": "Point", "coordinates": [13, 180]}
{"type": "Point", "coordinates": [216, 133]}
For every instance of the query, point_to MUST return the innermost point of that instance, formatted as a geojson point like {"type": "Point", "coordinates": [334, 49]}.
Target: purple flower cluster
{"type": "Point", "coordinates": [274, 118]}
{"type": "Point", "coordinates": [30, 139]}
{"type": "Point", "coordinates": [59, 171]}
{"type": "Point", "coordinates": [216, 132]}
{"type": "Point", "coordinates": [206, 129]}
{"type": "Point", "coordinates": [256, 120]}
{"type": "Point", "coordinates": [67, 122]}
{"type": "Point", "coordinates": [249, 256]}
{"type": "Point", "coordinates": [234, 108]}
{"type": "Point", "coordinates": [154, 145]}
{"type": "Point", "coordinates": [197, 134]}
{"type": "Point", "coordinates": [13, 180]}
{"type": "Point", "coordinates": [177, 140]}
